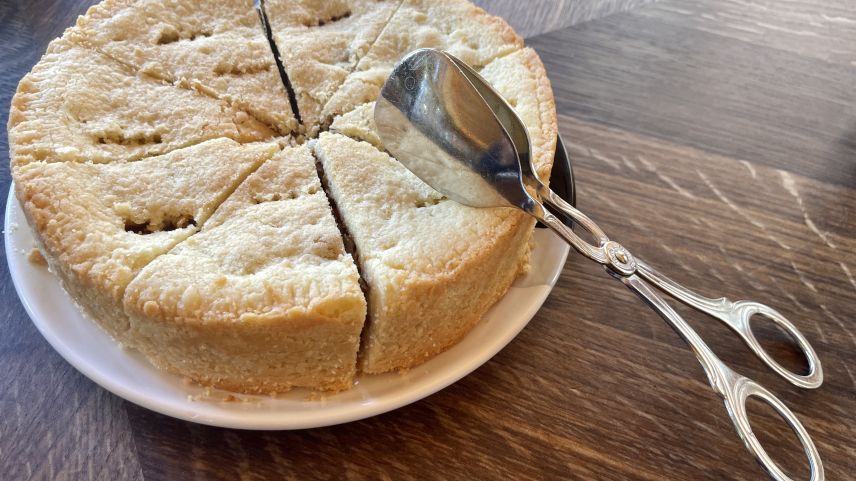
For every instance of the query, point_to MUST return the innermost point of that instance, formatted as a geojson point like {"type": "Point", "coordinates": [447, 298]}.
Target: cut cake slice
{"type": "Point", "coordinates": [320, 43]}
{"type": "Point", "coordinates": [265, 298]}
{"type": "Point", "coordinates": [216, 46]}
{"type": "Point", "coordinates": [456, 26]}
{"type": "Point", "coordinates": [99, 224]}
{"type": "Point", "coordinates": [433, 267]}
{"type": "Point", "coordinates": [78, 105]}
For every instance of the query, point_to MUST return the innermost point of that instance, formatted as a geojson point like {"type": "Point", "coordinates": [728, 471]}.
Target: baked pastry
{"type": "Point", "coordinates": [320, 43]}
{"type": "Point", "coordinates": [173, 192]}
{"type": "Point", "coordinates": [214, 46]}
{"type": "Point", "coordinates": [100, 224]}
{"type": "Point", "coordinates": [264, 298]}
{"type": "Point", "coordinates": [433, 266]}
{"type": "Point", "coordinates": [458, 27]}
{"type": "Point", "coordinates": [78, 105]}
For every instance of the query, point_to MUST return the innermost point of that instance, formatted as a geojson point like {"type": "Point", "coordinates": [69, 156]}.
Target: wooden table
{"type": "Point", "coordinates": [716, 138]}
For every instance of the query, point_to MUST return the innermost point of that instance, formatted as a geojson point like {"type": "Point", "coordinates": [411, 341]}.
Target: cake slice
{"type": "Point", "coordinates": [433, 266]}
{"type": "Point", "coordinates": [320, 43]}
{"type": "Point", "coordinates": [265, 298]}
{"type": "Point", "coordinates": [99, 224]}
{"type": "Point", "coordinates": [456, 26]}
{"type": "Point", "coordinates": [216, 46]}
{"type": "Point", "coordinates": [78, 105]}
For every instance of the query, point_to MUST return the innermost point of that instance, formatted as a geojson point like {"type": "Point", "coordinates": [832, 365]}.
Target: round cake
{"type": "Point", "coordinates": [206, 182]}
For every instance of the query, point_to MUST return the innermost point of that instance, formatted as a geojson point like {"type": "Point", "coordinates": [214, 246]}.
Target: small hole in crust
{"type": "Point", "coordinates": [260, 199]}
{"type": "Point", "coordinates": [171, 35]}
{"type": "Point", "coordinates": [196, 35]}
{"type": "Point", "coordinates": [389, 244]}
{"type": "Point", "coordinates": [252, 69]}
{"type": "Point", "coordinates": [324, 21]}
{"type": "Point", "coordinates": [420, 204]}
{"type": "Point", "coordinates": [168, 224]}
{"type": "Point", "coordinates": [323, 250]}
{"type": "Point", "coordinates": [168, 36]}
{"type": "Point", "coordinates": [138, 139]}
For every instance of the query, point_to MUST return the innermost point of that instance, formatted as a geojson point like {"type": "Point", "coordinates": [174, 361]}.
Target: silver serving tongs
{"type": "Point", "coordinates": [446, 124]}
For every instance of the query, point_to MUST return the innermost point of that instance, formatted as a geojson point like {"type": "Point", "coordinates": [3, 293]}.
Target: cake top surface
{"type": "Point", "coordinates": [79, 105]}
{"type": "Point", "coordinates": [323, 41]}
{"type": "Point", "coordinates": [107, 221]}
{"type": "Point", "coordinates": [215, 46]}
{"type": "Point", "coordinates": [402, 226]}
{"type": "Point", "coordinates": [110, 73]}
{"type": "Point", "coordinates": [458, 27]}
{"type": "Point", "coordinates": [272, 250]}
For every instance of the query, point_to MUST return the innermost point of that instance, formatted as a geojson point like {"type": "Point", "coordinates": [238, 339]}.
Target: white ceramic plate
{"type": "Point", "coordinates": [129, 375]}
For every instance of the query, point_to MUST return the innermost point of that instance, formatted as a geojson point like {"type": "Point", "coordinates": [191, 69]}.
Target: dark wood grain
{"type": "Point", "coordinates": [535, 17]}
{"type": "Point", "coordinates": [661, 75]}
{"type": "Point", "coordinates": [717, 139]}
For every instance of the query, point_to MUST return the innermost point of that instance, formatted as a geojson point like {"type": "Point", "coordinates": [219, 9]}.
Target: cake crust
{"type": "Point", "coordinates": [374, 191]}
{"type": "Point", "coordinates": [520, 78]}
{"type": "Point", "coordinates": [456, 26]}
{"type": "Point", "coordinates": [321, 43]}
{"type": "Point", "coordinates": [433, 266]}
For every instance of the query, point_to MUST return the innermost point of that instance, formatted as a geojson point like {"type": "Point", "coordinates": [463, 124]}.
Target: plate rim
{"type": "Point", "coordinates": [238, 420]}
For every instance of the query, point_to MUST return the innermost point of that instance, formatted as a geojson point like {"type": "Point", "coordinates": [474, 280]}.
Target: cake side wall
{"type": "Point", "coordinates": [104, 306]}
{"type": "Point", "coordinates": [431, 315]}
{"type": "Point", "coordinates": [257, 354]}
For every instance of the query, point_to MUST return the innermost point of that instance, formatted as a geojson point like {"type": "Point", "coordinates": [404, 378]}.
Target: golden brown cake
{"type": "Point", "coordinates": [214, 46]}
{"type": "Point", "coordinates": [456, 26]}
{"type": "Point", "coordinates": [264, 298]}
{"type": "Point", "coordinates": [320, 43]}
{"type": "Point", "coordinates": [78, 105]}
{"type": "Point", "coordinates": [100, 224]}
{"type": "Point", "coordinates": [170, 188]}
{"type": "Point", "coordinates": [432, 265]}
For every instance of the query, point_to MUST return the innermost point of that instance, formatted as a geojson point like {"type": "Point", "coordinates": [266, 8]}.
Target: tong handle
{"type": "Point", "coordinates": [734, 388]}
{"type": "Point", "coordinates": [737, 316]}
